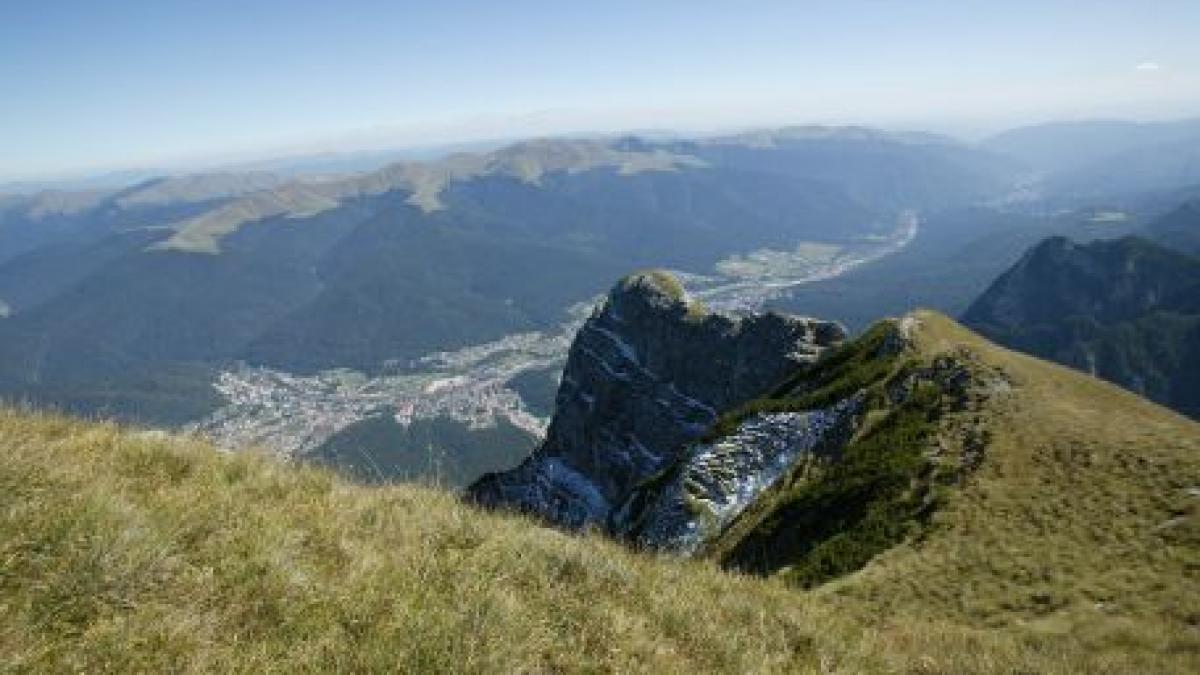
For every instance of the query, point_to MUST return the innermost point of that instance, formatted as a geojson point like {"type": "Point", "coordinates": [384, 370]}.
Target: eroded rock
{"type": "Point", "coordinates": [718, 480]}
{"type": "Point", "coordinates": [647, 375]}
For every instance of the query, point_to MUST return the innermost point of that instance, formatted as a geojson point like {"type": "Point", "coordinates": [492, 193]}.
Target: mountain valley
{"type": "Point", "coordinates": [398, 324]}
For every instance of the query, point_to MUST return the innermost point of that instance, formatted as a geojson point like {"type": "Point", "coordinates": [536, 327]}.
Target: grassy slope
{"type": "Point", "coordinates": [1083, 520]}
{"type": "Point", "coordinates": [1075, 547]}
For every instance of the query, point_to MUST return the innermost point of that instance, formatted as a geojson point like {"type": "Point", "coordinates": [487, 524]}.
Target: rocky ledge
{"type": "Point", "coordinates": [647, 375]}
{"type": "Point", "coordinates": [695, 500]}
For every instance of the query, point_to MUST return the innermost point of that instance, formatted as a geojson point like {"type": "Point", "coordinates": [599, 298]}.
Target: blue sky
{"type": "Point", "coordinates": [89, 85]}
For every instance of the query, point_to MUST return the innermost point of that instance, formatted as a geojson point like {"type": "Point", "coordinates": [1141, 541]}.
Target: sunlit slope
{"type": "Point", "coordinates": [1074, 547]}
{"type": "Point", "coordinates": [1083, 518]}
{"type": "Point", "coordinates": [119, 551]}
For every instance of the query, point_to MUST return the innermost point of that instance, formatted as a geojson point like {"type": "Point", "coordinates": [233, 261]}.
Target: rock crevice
{"type": "Point", "coordinates": [646, 376]}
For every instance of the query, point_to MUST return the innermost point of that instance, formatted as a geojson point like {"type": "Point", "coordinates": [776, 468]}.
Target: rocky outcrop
{"type": "Point", "coordinates": [647, 375]}
{"type": "Point", "coordinates": [748, 441]}
{"type": "Point", "coordinates": [695, 500]}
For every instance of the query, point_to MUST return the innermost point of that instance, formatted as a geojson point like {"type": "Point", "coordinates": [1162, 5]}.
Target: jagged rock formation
{"type": "Point", "coordinates": [767, 443]}
{"type": "Point", "coordinates": [698, 497]}
{"type": "Point", "coordinates": [854, 434]}
{"type": "Point", "coordinates": [648, 373]}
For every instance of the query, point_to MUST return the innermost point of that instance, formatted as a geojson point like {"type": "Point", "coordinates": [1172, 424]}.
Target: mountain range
{"type": "Point", "coordinates": [134, 302]}
{"type": "Point", "coordinates": [418, 435]}
{"type": "Point", "coordinates": [413, 320]}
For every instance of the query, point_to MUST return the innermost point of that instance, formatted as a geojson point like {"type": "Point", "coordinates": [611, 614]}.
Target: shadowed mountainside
{"type": "Point", "coordinates": [1126, 310]}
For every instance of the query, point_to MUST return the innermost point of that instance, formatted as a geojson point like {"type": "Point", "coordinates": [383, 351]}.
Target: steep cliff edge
{"type": "Point", "coordinates": [648, 373]}
{"type": "Point", "coordinates": [918, 449]}
{"type": "Point", "coordinates": [765, 441]}
{"type": "Point", "coordinates": [850, 456]}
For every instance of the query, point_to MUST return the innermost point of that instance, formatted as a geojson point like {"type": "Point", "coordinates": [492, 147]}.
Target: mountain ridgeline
{"type": "Point", "coordinates": [947, 500]}
{"type": "Point", "coordinates": [1111, 162]}
{"type": "Point", "coordinates": [412, 320]}
{"type": "Point", "coordinates": [107, 292]}
{"type": "Point", "coordinates": [1126, 310]}
{"type": "Point", "coordinates": [779, 446]}
{"type": "Point", "coordinates": [1178, 229]}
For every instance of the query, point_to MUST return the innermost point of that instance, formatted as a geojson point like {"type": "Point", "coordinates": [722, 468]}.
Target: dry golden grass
{"type": "Point", "coordinates": [1083, 522]}
{"type": "Point", "coordinates": [120, 552]}
{"type": "Point", "coordinates": [1074, 550]}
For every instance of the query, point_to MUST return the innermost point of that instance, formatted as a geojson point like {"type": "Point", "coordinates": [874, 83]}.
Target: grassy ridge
{"type": "Point", "coordinates": [1083, 519]}
{"type": "Point", "coordinates": [833, 519]}
{"type": "Point", "coordinates": [125, 552]}
{"type": "Point", "coordinates": [1074, 548]}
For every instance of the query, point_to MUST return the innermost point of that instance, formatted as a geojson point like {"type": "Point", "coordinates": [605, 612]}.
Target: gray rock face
{"type": "Point", "coordinates": [717, 481]}
{"type": "Point", "coordinates": [647, 374]}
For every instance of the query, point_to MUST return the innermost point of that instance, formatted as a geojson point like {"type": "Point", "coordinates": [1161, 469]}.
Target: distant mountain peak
{"type": "Point", "coordinates": [527, 161]}
{"type": "Point", "coordinates": [769, 138]}
{"type": "Point", "coordinates": [1126, 310]}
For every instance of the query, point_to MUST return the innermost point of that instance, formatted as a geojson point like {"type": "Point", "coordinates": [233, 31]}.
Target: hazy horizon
{"type": "Point", "coordinates": [129, 85]}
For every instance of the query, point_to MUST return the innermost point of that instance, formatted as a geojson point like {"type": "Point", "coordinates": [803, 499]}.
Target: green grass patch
{"type": "Point", "coordinates": [867, 500]}
{"type": "Point", "coordinates": [838, 375]}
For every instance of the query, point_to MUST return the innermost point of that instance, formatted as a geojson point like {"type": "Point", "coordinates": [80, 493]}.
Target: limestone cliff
{"type": "Point", "coordinates": [768, 443]}
{"type": "Point", "coordinates": [648, 374]}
